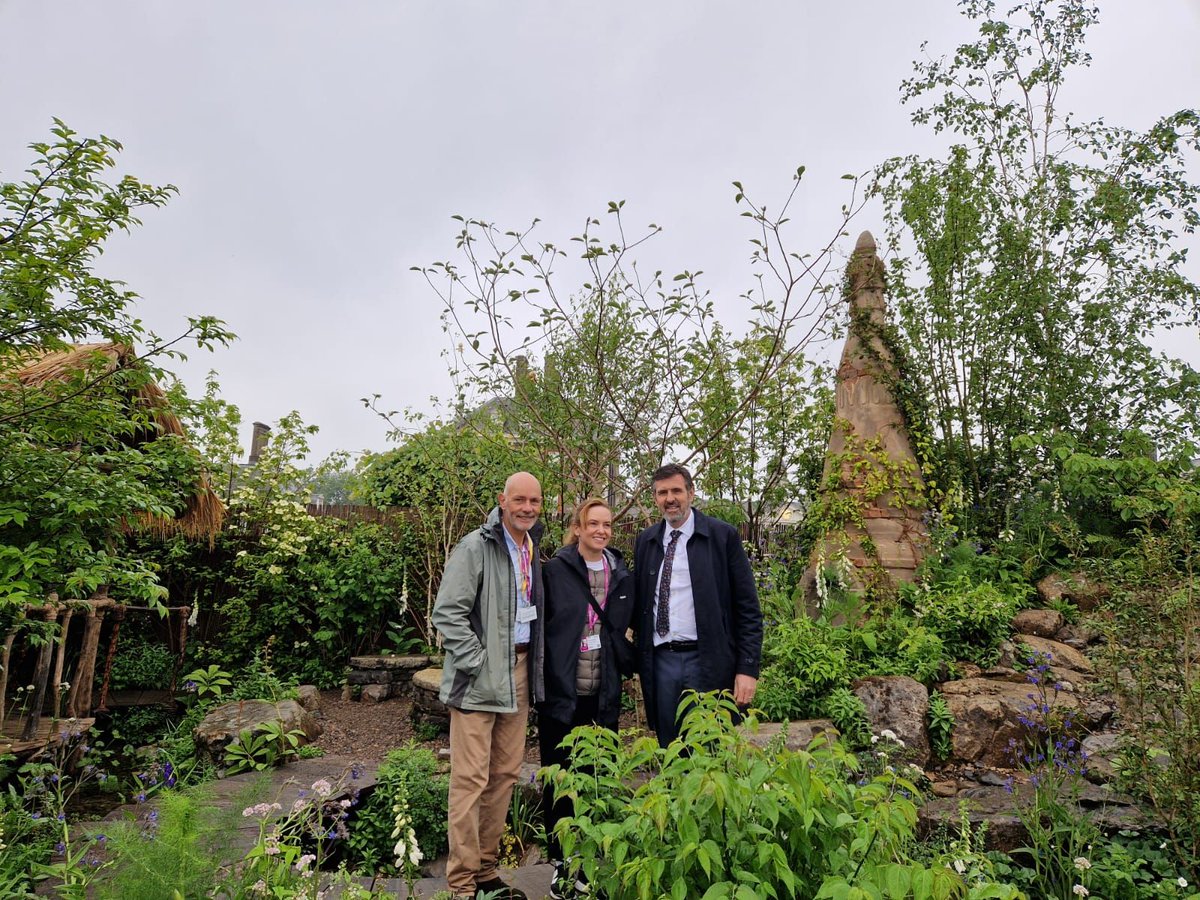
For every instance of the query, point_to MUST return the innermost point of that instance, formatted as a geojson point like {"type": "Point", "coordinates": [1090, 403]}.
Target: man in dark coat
{"type": "Point", "coordinates": [698, 621]}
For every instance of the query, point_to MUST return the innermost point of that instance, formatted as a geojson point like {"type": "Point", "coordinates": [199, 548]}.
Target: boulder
{"type": "Point", "coordinates": [1076, 587]}
{"type": "Point", "coordinates": [797, 735]}
{"type": "Point", "coordinates": [987, 717]}
{"type": "Point", "coordinates": [982, 804]}
{"type": "Point", "coordinates": [997, 807]}
{"type": "Point", "coordinates": [375, 693]}
{"type": "Point", "coordinates": [1102, 750]}
{"type": "Point", "coordinates": [227, 721]}
{"type": "Point", "coordinates": [1060, 655]}
{"type": "Point", "coordinates": [309, 697]}
{"type": "Point", "coordinates": [900, 705]}
{"type": "Point", "coordinates": [1039, 622]}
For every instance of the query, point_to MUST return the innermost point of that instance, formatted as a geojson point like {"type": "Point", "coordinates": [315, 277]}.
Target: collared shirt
{"type": "Point", "coordinates": [522, 563]}
{"type": "Point", "coordinates": [683, 607]}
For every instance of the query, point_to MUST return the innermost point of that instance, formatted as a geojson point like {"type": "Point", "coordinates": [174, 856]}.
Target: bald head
{"type": "Point", "coordinates": [520, 503]}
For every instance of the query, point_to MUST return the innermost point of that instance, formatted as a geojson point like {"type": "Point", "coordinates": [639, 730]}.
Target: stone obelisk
{"type": "Point", "coordinates": [871, 472]}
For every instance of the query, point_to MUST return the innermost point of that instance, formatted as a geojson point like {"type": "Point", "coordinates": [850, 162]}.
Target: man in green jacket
{"type": "Point", "coordinates": [489, 611]}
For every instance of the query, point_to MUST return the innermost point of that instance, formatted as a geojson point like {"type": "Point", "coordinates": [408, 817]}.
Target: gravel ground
{"type": "Point", "coordinates": [367, 731]}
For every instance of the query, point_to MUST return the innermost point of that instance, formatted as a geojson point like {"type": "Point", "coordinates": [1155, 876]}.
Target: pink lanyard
{"type": "Point", "coordinates": [593, 616]}
{"type": "Point", "coordinates": [526, 567]}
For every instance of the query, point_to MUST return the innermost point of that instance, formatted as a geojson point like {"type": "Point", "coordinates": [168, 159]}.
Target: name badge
{"type": "Point", "coordinates": [591, 642]}
{"type": "Point", "coordinates": [526, 614]}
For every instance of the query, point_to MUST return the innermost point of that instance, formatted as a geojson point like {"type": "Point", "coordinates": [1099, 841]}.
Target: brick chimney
{"type": "Point", "coordinates": [258, 443]}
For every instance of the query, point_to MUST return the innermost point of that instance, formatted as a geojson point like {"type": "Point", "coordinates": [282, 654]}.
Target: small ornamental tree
{"type": "Point", "coordinates": [1037, 260]}
{"type": "Point", "coordinates": [614, 368]}
{"type": "Point", "coordinates": [82, 454]}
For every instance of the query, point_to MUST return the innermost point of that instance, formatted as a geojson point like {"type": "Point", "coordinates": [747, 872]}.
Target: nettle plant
{"type": "Point", "coordinates": [721, 816]}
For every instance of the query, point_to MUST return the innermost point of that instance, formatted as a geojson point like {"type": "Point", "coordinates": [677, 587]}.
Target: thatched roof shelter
{"type": "Point", "coordinates": [204, 513]}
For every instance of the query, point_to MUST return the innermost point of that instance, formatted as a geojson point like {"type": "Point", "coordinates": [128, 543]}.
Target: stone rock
{"type": "Point", "coordinates": [382, 661]}
{"type": "Point", "coordinates": [944, 788]}
{"type": "Point", "coordinates": [227, 721]}
{"type": "Point", "coordinates": [369, 676]}
{"type": "Point", "coordinates": [987, 716]}
{"type": "Point", "coordinates": [1103, 750]}
{"type": "Point", "coordinates": [1006, 655]}
{"type": "Point", "coordinates": [427, 706]}
{"type": "Point", "coordinates": [1004, 673]}
{"type": "Point", "coordinates": [997, 807]}
{"type": "Point", "coordinates": [799, 733]}
{"type": "Point", "coordinates": [375, 693]}
{"type": "Point", "coordinates": [968, 670]}
{"type": "Point", "coordinates": [901, 705]}
{"type": "Point", "coordinates": [1060, 655]}
{"type": "Point", "coordinates": [994, 806]}
{"type": "Point", "coordinates": [428, 680]}
{"type": "Point", "coordinates": [309, 697]}
{"type": "Point", "coordinates": [1076, 587]}
{"type": "Point", "coordinates": [1039, 622]}
{"type": "Point", "coordinates": [1076, 636]}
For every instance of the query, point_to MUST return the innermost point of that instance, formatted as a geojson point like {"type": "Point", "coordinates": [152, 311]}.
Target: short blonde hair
{"type": "Point", "coordinates": [577, 517]}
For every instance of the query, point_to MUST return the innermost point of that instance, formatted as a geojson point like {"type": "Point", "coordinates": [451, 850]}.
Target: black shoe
{"type": "Point", "coordinates": [495, 889]}
{"type": "Point", "coordinates": [565, 886]}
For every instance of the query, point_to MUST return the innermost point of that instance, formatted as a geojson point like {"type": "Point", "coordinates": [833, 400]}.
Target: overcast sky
{"type": "Point", "coordinates": [321, 148]}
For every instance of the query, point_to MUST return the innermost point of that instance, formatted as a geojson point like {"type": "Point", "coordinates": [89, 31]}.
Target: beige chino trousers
{"type": "Point", "coordinates": [486, 752]}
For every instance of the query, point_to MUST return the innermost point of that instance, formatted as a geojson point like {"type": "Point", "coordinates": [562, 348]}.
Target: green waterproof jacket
{"type": "Point", "coordinates": [476, 613]}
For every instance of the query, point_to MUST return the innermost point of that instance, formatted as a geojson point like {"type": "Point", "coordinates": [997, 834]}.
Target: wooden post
{"type": "Point", "coordinates": [40, 676]}
{"type": "Point", "coordinates": [5, 659]}
{"type": "Point", "coordinates": [184, 613]}
{"type": "Point", "coordinates": [80, 702]}
{"type": "Point", "coordinates": [58, 660]}
{"type": "Point", "coordinates": [118, 618]}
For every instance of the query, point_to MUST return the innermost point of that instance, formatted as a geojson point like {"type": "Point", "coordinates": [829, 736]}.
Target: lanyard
{"type": "Point", "coordinates": [526, 566]}
{"type": "Point", "coordinates": [593, 616]}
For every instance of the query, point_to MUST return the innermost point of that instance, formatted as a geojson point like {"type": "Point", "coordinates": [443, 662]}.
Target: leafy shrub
{"type": "Point", "coordinates": [141, 664]}
{"type": "Point", "coordinates": [940, 725]}
{"type": "Point", "coordinates": [804, 660]}
{"type": "Point", "coordinates": [412, 771]}
{"type": "Point", "coordinates": [723, 817]}
{"type": "Point", "coordinates": [849, 714]}
{"type": "Point", "coordinates": [971, 619]}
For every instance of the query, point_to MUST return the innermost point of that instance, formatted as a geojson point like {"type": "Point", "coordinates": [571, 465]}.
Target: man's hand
{"type": "Point", "coordinates": [743, 689]}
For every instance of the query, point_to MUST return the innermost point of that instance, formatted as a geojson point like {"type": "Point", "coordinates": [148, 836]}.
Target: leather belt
{"type": "Point", "coordinates": [521, 648]}
{"type": "Point", "coordinates": [679, 646]}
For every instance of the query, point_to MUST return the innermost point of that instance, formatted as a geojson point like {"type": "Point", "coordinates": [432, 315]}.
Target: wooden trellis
{"type": "Point", "coordinates": [33, 730]}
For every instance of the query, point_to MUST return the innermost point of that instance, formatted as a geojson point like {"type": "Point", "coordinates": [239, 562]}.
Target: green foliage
{"type": "Point", "coordinates": [1038, 258]}
{"type": "Point", "coordinates": [723, 817]}
{"type": "Point", "coordinates": [805, 660]}
{"type": "Point", "coordinates": [26, 844]}
{"type": "Point", "coordinates": [81, 455]}
{"type": "Point", "coordinates": [849, 715]}
{"type": "Point", "coordinates": [267, 746]}
{"type": "Point", "coordinates": [412, 771]}
{"type": "Point", "coordinates": [940, 726]}
{"type": "Point", "coordinates": [971, 619]}
{"type": "Point", "coordinates": [209, 683]}
{"type": "Point", "coordinates": [258, 681]}
{"type": "Point", "coordinates": [177, 853]}
{"type": "Point", "coordinates": [446, 477]}
{"type": "Point", "coordinates": [141, 664]}
{"type": "Point", "coordinates": [319, 588]}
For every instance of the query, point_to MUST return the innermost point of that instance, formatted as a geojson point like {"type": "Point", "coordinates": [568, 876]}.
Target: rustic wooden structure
{"type": "Point", "coordinates": [44, 700]}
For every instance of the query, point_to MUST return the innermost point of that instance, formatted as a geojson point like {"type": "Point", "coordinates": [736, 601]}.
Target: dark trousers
{"type": "Point", "coordinates": [550, 734]}
{"type": "Point", "coordinates": [674, 673]}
